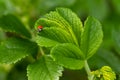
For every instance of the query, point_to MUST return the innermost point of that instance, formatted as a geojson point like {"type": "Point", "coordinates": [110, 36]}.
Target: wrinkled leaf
{"type": "Point", "coordinates": [14, 49]}
{"type": "Point", "coordinates": [68, 55]}
{"type": "Point", "coordinates": [63, 18]}
{"type": "Point", "coordinates": [73, 20]}
{"type": "Point", "coordinates": [49, 37]}
{"type": "Point", "coordinates": [44, 69]}
{"type": "Point", "coordinates": [91, 36]}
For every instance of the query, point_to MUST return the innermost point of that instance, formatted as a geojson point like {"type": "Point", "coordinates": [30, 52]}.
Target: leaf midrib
{"type": "Point", "coordinates": [45, 63]}
{"type": "Point", "coordinates": [70, 31]}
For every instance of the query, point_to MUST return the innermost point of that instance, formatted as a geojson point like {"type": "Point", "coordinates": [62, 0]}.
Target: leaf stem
{"type": "Point", "coordinates": [87, 68]}
{"type": "Point", "coordinates": [41, 50]}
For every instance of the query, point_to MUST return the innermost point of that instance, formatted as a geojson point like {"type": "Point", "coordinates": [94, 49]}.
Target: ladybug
{"type": "Point", "coordinates": [39, 28]}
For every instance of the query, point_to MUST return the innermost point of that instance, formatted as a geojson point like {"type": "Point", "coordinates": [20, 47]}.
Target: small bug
{"type": "Point", "coordinates": [39, 28]}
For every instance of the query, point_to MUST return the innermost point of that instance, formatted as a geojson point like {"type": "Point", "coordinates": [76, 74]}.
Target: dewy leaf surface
{"type": "Point", "coordinates": [49, 37]}
{"type": "Point", "coordinates": [91, 37]}
{"type": "Point", "coordinates": [44, 69]}
{"type": "Point", "coordinates": [14, 49]}
{"type": "Point", "coordinates": [68, 55]}
{"type": "Point", "coordinates": [65, 19]}
{"type": "Point", "coordinates": [11, 23]}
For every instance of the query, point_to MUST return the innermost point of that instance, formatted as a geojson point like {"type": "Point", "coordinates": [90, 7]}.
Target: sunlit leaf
{"type": "Point", "coordinates": [73, 20]}
{"type": "Point", "coordinates": [91, 37]}
{"type": "Point", "coordinates": [49, 37]}
{"type": "Point", "coordinates": [63, 18]}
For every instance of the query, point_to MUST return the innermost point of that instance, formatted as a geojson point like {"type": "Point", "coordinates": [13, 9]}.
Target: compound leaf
{"type": "Point", "coordinates": [63, 18]}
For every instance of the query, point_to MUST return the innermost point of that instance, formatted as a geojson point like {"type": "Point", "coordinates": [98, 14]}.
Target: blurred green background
{"type": "Point", "coordinates": [106, 11]}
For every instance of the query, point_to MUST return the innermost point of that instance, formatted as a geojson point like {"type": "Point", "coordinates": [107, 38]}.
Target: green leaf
{"type": "Point", "coordinates": [44, 69]}
{"type": "Point", "coordinates": [14, 49]}
{"type": "Point", "coordinates": [91, 37]}
{"type": "Point", "coordinates": [47, 23]}
{"type": "Point", "coordinates": [49, 37]}
{"type": "Point", "coordinates": [65, 19]}
{"type": "Point", "coordinates": [68, 55]}
{"type": "Point", "coordinates": [12, 24]}
{"type": "Point", "coordinates": [73, 20]}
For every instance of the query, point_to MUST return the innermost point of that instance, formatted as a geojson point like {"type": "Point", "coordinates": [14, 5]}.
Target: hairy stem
{"type": "Point", "coordinates": [87, 68]}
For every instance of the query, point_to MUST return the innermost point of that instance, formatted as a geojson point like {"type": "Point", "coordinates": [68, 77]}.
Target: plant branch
{"type": "Point", "coordinates": [41, 50]}
{"type": "Point", "coordinates": [87, 68]}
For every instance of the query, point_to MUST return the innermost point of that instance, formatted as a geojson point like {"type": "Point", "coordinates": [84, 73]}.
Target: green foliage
{"type": "Point", "coordinates": [68, 55]}
{"type": "Point", "coordinates": [44, 69]}
{"type": "Point", "coordinates": [49, 37]}
{"type": "Point", "coordinates": [74, 22]}
{"type": "Point", "coordinates": [91, 37]}
{"type": "Point", "coordinates": [14, 49]}
{"type": "Point", "coordinates": [105, 73]}
{"type": "Point", "coordinates": [64, 40]}
{"type": "Point", "coordinates": [72, 49]}
{"type": "Point", "coordinates": [69, 22]}
{"type": "Point", "coordinates": [11, 23]}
